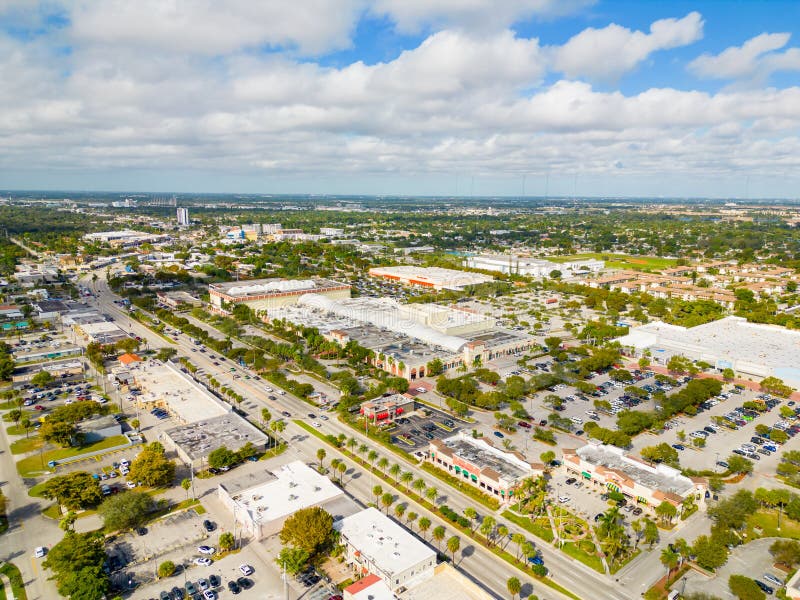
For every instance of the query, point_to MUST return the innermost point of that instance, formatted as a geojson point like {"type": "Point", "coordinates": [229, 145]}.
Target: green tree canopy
{"type": "Point", "coordinates": [151, 467]}
{"type": "Point", "coordinates": [126, 510]}
{"type": "Point", "coordinates": [76, 490]}
{"type": "Point", "coordinates": [309, 528]}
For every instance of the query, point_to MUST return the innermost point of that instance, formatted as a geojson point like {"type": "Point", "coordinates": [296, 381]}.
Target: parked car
{"type": "Point", "coordinates": [206, 549]}
{"type": "Point", "coordinates": [498, 434]}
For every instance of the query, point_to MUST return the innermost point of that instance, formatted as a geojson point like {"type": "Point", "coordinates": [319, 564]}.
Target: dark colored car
{"type": "Point", "coordinates": [543, 423]}
{"type": "Point", "coordinates": [570, 481]}
{"type": "Point", "coordinates": [524, 424]}
{"type": "Point", "coordinates": [177, 594]}
{"type": "Point", "coordinates": [141, 530]}
{"type": "Point", "coordinates": [190, 589]}
{"type": "Point", "coordinates": [764, 587]}
{"type": "Point", "coordinates": [209, 526]}
{"type": "Point", "coordinates": [234, 587]}
{"type": "Point", "coordinates": [214, 580]}
{"type": "Point", "coordinates": [245, 583]}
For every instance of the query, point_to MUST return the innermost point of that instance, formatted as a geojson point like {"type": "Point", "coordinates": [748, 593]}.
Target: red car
{"type": "Point", "coordinates": [38, 407]}
{"type": "Point", "coordinates": [524, 424]}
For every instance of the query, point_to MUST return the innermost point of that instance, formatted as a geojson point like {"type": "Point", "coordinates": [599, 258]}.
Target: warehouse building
{"type": "Point", "coordinates": [477, 461]}
{"type": "Point", "coordinates": [261, 508]}
{"type": "Point", "coordinates": [263, 294]}
{"type": "Point", "coordinates": [377, 545]}
{"type": "Point", "coordinates": [770, 350]}
{"type": "Point", "coordinates": [430, 277]}
{"type": "Point", "coordinates": [609, 468]}
{"type": "Point", "coordinates": [511, 264]}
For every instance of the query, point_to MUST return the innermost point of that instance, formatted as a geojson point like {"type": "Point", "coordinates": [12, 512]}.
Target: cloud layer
{"type": "Point", "coordinates": [165, 86]}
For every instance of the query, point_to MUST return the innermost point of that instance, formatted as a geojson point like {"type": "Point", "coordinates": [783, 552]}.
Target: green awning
{"type": "Point", "coordinates": [612, 486]}
{"type": "Point", "coordinates": [586, 475]}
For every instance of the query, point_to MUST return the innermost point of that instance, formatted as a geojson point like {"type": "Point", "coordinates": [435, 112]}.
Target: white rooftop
{"type": "Point", "coordinates": [386, 544]}
{"type": "Point", "coordinates": [295, 486]}
{"type": "Point", "coordinates": [436, 276]}
{"type": "Point", "coordinates": [281, 285]}
{"type": "Point", "coordinates": [189, 401]}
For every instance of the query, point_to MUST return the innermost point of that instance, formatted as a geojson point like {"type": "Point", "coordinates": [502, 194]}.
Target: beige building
{"type": "Point", "coordinates": [496, 472]}
{"type": "Point", "coordinates": [263, 294]}
{"type": "Point", "coordinates": [609, 468]}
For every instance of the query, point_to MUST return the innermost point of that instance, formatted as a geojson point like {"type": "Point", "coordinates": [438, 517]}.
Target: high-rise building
{"type": "Point", "coordinates": [183, 216]}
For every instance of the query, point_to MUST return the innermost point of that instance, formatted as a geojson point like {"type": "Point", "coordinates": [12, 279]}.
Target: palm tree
{"type": "Point", "coordinates": [335, 465]}
{"type": "Point", "coordinates": [321, 454]}
{"type": "Point", "coordinates": [453, 544]}
{"type": "Point", "coordinates": [342, 468]}
{"type": "Point", "coordinates": [419, 485]}
{"type": "Point", "coordinates": [400, 510]}
{"type": "Point", "coordinates": [266, 416]}
{"type": "Point", "coordinates": [407, 477]}
{"type": "Point", "coordinates": [377, 490]}
{"type": "Point", "coordinates": [502, 533]}
{"type": "Point", "coordinates": [371, 457]}
{"type": "Point", "coordinates": [487, 528]}
{"type": "Point", "coordinates": [410, 518]}
{"type": "Point", "coordinates": [431, 494]}
{"type": "Point", "coordinates": [395, 471]}
{"type": "Point", "coordinates": [438, 535]}
{"type": "Point", "coordinates": [471, 514]}
{"type": "Point", "coordinates": [352, 443]}
{"type": "Point", "coordinates": [387, 499]}
{"type": "Point", "coordinates": [514, 587]}
{"type": "Point", "coordinates": [363, 449]}
{"type": "Point", "coordinates": [277, 428]}
{"type": "Point", "coordinates": [383, 462]}
{"type": "Point", "coordinates": [518, 539]}
{"type": "Point", "coordinates": [670, 559]}
{"type": "Point", "coordinates": [424, 525]}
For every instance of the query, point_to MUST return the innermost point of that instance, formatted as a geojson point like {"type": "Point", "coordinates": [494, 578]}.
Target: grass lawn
{"type": "Point", "coordinates": [23, 445]}
{"type": "Point", "coordinates": [15, 577]}
{"type": "Point", "coordinates": [540, 527]}
{"type": "Point", "coordinates": [32, 466]}
{"type": "Point", "coordinates": [590, 560]}
{"type": "Point", "coordinates": [25, 413]}
{"type": "Point", "coordinates": [622, 261]}
{"type": "Point", "coordinates": [767, 521]}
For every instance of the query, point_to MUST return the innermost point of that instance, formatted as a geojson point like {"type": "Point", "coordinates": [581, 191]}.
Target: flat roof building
{"type": "Point", "coordinates": [387, 407]}
{"type": "Point", "coordinates": [793, 587]}
{"type": "Point", "coordinates": [512, 264]}
{"type": "Point", "coordinates": [263, 294]}
{"type": "Point", "coordinates": [609, 468]}
{"type": "Point", "coordinates": [435, 278]}
{"type": "Point", "coordinates": [370, 587]}
{"type": "Point", "coordinates": [195, 441]}
{"type": "Point", "coordinates": [478, 462]}
{"type": "Point", "coordinates": [770, 350]}
{"type": "Point", "coordinates": [261, 508]}
{"type": "Point", "coordinates": [375, 544]}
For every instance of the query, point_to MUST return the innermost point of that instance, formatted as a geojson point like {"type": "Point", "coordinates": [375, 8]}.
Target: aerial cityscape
{"type": "Point", "coordinates": [399, 300]}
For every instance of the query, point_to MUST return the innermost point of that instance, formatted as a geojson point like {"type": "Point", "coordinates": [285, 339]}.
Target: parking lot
{"type": "Point", "coordinates": [416, 430]}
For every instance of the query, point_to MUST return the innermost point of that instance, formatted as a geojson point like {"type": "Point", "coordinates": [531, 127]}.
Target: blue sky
{"type": "Point", "coordinates": [557, 97]}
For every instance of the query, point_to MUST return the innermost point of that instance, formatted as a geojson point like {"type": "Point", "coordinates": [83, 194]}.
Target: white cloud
{"type": "Point", "coordinates": [608, 53]}
{"type": "Point", "coordinates": [481, 15]}
{"type": "Point", "coordinates": [211, 27]}
{"type": "Point", "coordinates": [755, 59]}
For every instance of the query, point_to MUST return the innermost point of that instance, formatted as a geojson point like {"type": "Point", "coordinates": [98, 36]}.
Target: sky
{"type": "Point", "coordinates": [411, 97]}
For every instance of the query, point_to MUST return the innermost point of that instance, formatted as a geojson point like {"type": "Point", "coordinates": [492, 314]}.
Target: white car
{"type": "Point", "coordinates": [563, 499]}
{"type": "Point", "coordinates": [206, 549]}
{"type": "Point", "coordinates": [203, 561]}
{"type": "Point", "coordinates": [317, 424]}
{"type": "Point", "coordinates": [246, 570]}
{"type": "Point", "coordinates": [39, 552]}
{"type": "Point", "coordinates": [130, 485]}
{"type": "Point", "coordinates": [421, 390]}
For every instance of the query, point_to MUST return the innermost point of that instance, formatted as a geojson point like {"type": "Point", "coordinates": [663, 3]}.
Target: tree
{"type": "Point", "coordinates": [786, 552]}
{"type": "Point", "coordinates": [293, 559]}
{"type": "Point", "coordinates": [387, 500]}
{"type": "Point", "coordinates": [400, 510]}
{"type": "Point", "coordinates": [669, 558]}
{"type": "Point", "coordinates": [471, 514]}
{"type": "Point", "coordinates": [75, 552]}
{"type": "Point", "coordinates": [435, 367]}
{"type": "Point", "coordinates": [186, 484]}
{"type": "Point", "coordinates": [377, 490]}
{"type": "Point", "coordinates": [666, 511]}
{"type": "Point", "coordinates": [514, 586]}
{"type": "Point", "coordinates": [76, 490]}
{"type": "Point", "coordinates": [745, 588]}
{"type": "Point", "coordinates": [166, 568]}
{"type": "Point", "coordinates": [42, 379]}
{"type": "Point", "coordinates": [776, 387]}
{"type": "Point", "coordinates": [126, 511]}
{"type": "Point", "coordinates": [164, 354]}
{"type": "Point", "coordinates": [438, 534]}
{"type": "Point", "coordinates": [383, 462]}
{"type": "Point", "coordinates": [309, 528]}
{"type": "Point", "coordinates": [453, 544]}
{"type": "Point", "coordinates": [222, 457]}
{"type": "Point", "coordinates": [321, 454]}
{"type": "Point", "coordinates": [59, 432]}
{"type": "Point", "coordinates": [424, 525]}
{"type": "Point", "coordinates": [739, 464]}
{"type": "Point", "coordinates": [410, 518]}
{"type": "Point", "coordinates": [226, 540]}
{"type": "Point", "coordinates": [650, 532]}
{"type": "Point", "coordinates": [487, 528]}
{"type": "Point", "coordinates": [135, 424]}
{"type": "Point", "coordinates": [431, 494]}
{"type": "Point", "coordinates": [151, 467]}
{"type": "Point", "coordinates": [710, 552]}
{"type": "Point", "coordinates": [87, 583]}
{"type": "Point", "coordinates": [547, 457]}
{"type": "Point", "coordinates": [661, 453]}
{"type": "Point", "coordinates": [728, 374]}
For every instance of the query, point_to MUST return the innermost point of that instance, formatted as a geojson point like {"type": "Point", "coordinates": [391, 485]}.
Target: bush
{"type": "Point", "coordinates": [166, 568]}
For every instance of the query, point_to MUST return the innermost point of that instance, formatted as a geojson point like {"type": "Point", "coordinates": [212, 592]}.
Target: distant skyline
{"type": "Point", "coordinates": [403, 97]}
